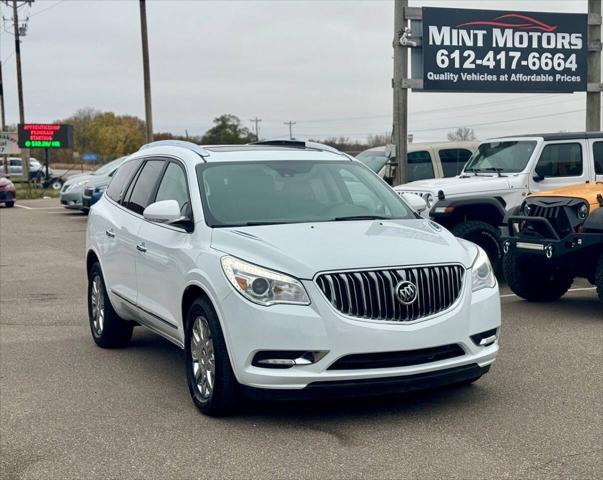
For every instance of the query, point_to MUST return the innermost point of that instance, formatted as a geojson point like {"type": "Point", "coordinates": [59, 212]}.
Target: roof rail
{"type": "Point", "coordinates": [178, 143]}
{"type": "Point", "coordinates": [298, 144]}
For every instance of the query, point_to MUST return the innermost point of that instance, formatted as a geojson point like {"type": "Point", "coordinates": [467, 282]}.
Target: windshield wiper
{"type": "Point", "coordinates": [360, 217]}
{"type": "Point", "coordinates": [495, 169]}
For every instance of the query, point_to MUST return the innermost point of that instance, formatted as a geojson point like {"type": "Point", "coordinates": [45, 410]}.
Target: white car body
{"type": "Point", "coordinates": [148, 268]}
{"type": "Point", "coordinates": [511, 188]}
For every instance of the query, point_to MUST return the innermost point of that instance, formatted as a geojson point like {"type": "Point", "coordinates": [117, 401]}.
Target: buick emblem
{"type": "Point", "coordinates": [406, 292]}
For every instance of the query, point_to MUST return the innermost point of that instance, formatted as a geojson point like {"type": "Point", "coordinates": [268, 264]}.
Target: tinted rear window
{"type": "Point", "coordinates": [598, 154]}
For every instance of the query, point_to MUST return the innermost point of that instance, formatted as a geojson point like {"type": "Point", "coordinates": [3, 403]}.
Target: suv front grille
{"type": "Point", "coordinates": [557, 215]}
{"type": "Point", "coordinates": [372, 294]}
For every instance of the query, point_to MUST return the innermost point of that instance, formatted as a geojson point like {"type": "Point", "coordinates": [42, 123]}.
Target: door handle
{"type": "Point", "coordinates": [141, 248]}
{"type": "Point", "coordinates": [110, 233]}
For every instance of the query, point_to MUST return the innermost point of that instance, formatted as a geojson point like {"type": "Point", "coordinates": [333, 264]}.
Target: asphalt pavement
{"type": "Point", "coordinates": [69, 409]}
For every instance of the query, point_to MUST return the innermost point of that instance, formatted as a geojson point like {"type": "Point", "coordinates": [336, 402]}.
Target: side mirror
{"type": "Point", "coordinates": [415, 201]}
{"type": "Point", "coordinates": [165, 211]}
{"type": "Point", "coordinates": [537, 177]}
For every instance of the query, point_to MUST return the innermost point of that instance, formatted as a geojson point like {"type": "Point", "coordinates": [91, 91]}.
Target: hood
{"type": "Point", "coordinates": [587, 192]}
{"type": "Point", "coordinates": [304, 249]}
{"type": "Point", "coordinates": [98, 181]}
{"type": "Point", "coordinates": [73, 179]}
{"type": "Point", "coordinates": [467, 184]}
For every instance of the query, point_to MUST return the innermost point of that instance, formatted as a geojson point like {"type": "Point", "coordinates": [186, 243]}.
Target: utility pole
{"type": "Point", "coordinates": [146, 70]}
{"type": "Point", "coordinates": [290, 123]}
{"type": "Point", "coordinates": [593, 95]}
{"type": "Point", "coordinates": [24, 152]}
{"type": "Point", "coordinates": [256, 120]}
{"type": "Point", "coordinates": [2, 115]}
{"type": "Point", "coordinates": [400, 126]}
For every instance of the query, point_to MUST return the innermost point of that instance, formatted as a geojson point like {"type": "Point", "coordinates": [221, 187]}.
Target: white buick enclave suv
{"type": "Point", "coordinates": [287, 269]}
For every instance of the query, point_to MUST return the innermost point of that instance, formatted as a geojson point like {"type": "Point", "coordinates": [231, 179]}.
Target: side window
{"type": "Point", "coordinates": [453, 160]}
{"type": "Point", "coordinates": [560, 160]}
{"type": "Point", "coordinates": [598, 156]}
{"type": "Point", "coordinates": [13, 162]}
{"type": "Point", "coordinates": [144, 188]}
{"type": "Point", "coordinates": [173, 187]}
{"type": "Point", "coordinates": [121, 179]}
{"type": "Point", "coordinates": [420, 166]}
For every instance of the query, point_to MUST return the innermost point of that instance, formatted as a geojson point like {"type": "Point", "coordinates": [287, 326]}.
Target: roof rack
{"type": "Point", "coordinates": [298, 144]}
{"type": "Point", "coordinates": [178, 143]}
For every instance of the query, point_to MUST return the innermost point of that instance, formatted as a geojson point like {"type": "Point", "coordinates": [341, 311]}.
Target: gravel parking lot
{"type": "Point", "coordinates": [71, 410]}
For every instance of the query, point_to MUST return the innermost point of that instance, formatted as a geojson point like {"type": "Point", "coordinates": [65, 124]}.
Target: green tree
{"type": "Point", "coordinates": [227, 130]}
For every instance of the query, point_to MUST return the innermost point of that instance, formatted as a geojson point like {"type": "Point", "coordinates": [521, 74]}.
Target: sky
{"type": "Point", "coordinates": [326, 65]}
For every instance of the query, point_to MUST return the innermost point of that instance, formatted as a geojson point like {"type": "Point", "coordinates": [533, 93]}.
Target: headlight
{"type": "Point", "coordinates": [80, 183]}
{"type": "Point", "coordinates": [428, 200]}
{"type": "Point", "coordinates": [482, 275]}
{"type": "Point", "coordinates": [583, 211]}
{"type": "Point", "coordinates": [263, 286]}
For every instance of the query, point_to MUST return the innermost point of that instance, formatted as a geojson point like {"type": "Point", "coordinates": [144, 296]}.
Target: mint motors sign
{"type": "Point", "coordinates": [502, 51]}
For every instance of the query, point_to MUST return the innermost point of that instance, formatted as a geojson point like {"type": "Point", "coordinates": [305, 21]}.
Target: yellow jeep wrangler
{"type": "Point", "coordinates": [552, 238]}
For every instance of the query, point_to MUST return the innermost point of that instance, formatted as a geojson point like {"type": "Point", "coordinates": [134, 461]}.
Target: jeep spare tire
{"type": "Point", "coordinates": [486, 236]}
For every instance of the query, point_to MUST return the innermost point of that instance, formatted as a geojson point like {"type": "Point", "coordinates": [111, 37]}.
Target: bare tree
{"type": "Point", "coordinates": [461, 134]}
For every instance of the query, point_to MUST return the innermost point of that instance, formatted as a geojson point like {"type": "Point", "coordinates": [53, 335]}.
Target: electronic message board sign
{"type": "Point", "coordinates": [501, 51]}
{"type": "Point", "coordinates": [44, 135]}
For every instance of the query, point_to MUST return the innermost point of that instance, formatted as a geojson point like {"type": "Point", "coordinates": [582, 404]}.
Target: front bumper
{"type": "Point", "coordinates": [71, 200]}
{"type": "Point", "coordinates": [89, 199]}
{"type": "Point", "coordinates": [7, 196]}
{"type": "Point", "coordinates": [250, 328]}
{"type": "Point", "coordinates": [548, 245]}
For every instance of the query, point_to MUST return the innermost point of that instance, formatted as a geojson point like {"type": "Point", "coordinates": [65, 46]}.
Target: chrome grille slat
{"type": "Point", "coordinates": [371, 294]}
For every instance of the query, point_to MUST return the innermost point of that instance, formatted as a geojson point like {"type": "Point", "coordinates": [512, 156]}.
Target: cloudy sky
{"type": "Point", "coordinates": [326, 65]}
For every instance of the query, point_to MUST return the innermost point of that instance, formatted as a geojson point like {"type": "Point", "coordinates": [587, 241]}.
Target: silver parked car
{"type": "Point", "coordinates": [73, 189]}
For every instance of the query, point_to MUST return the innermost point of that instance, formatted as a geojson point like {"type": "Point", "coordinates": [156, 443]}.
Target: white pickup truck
{"type": "Point", "coordinates": [500, 174]}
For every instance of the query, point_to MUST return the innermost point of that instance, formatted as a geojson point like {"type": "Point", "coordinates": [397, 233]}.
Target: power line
{"type": "Point", "coordinates": [480, 124]}
{"type": "Point", "coordinates": [45, 9]}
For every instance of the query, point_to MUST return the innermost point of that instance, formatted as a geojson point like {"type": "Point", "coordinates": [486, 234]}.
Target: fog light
{"type": "Point", "coordinates": [286, 358]}
{"type": "Point", "coordinates": [485, 339]}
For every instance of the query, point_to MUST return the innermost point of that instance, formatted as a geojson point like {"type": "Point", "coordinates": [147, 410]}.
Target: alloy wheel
{"type": "Point", "coordinates": [98, 305]}
{"type": "Point", "coordinates": [202, 357]}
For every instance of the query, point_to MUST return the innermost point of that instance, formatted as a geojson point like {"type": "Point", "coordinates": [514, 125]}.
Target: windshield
{"type": "Point", "coordinates": [275, 192]}
{"type": "Point", "coordinates": [108, 167]}
{"type": "Point", "coordinates": [501, 157]}
{"type": "Point", "coordinates": [375, 160]}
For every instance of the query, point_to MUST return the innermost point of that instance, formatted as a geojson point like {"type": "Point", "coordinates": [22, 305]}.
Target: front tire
{"type": "Point", "coordinates": [486, 236]}
{"type": "Point", "coordinates": [211, 381]}
{"type": "Point", "coordinates": [535, 281]}
{"type": "Point", "coordinates": [599, 277]}
{"type": "Point", "coordinates": [9, 204]}
{"type": "Point", "coordinates": [107, 328]}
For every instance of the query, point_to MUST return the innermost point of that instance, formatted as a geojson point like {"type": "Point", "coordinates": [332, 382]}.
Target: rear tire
{"type": "Point", "coordinates": [107, 328]}
{"type": "Point", "coordinates": [9, 204]}
{"type": "Point", "coordinates": [535, 281]}
{"type": "Point", "coordinates": [599, 277]}
{"type": "Point", "coordinates": [211, 381]}
{"type": "Point", "coordinates": [486, 236]}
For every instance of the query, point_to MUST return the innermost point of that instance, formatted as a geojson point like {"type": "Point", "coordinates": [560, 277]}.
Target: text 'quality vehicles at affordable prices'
{"type": "Point", "coordinates": [554, 237]}
{"type": "Point", "coordinates": [285, 269]}
{"type": "Point", "coordinates": [498, 177]}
